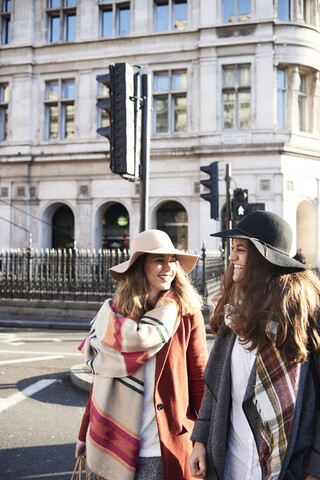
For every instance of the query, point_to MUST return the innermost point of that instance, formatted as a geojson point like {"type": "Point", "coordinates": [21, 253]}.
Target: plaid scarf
{"type": "Point", "coordinates": [276, 391]}
{"type": "Point", "coordinates": [116, 350]}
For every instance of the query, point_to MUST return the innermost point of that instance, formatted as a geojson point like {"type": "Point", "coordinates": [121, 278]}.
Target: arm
{"type": "Point", "coordinates": [81, 443]}
{"type": "Point", "coordinates": [197, 356]}
{"type": "Point", "coordinates": [314, 461]}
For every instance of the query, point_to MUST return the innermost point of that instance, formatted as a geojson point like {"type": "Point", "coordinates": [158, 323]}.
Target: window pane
{"type": "Point", "coordinates": [303, 84]}
{"type": "Point", "coordinates": [52, 91]}
{"type": "Point", "coordinates": [284, 10]}
{"type": "Point", "coordinates": [6, 6]}
{"type": "Point", "coordinates": [244, 109]}
{"type": "Point", "coordinates": [244, 75]}
{"type": "Point", "coordinates": [228, 11]}
{"type": "Point", "coordinates": [5, 93]}
{"type": "Point", "coordinates": [301, 113]}
{"type": "Point", "coordinates": [71, 27]}
{"type": "Point", "coordinates": [179, 15]}
{"type": "Point", "coordinates": [162, 16]}
{"type": "Point", "coordinates": [179, 81]}
{"type": "Point", "coordinates": [69, 126]}
{"type": "Point", "coordinates": [3, 123]}
{"type": "Point", "coordinates": [161, 82]}
{"type": "Point", "coordinates": [180, 114]}
{"type": "Point", "coordinates": [124, 21]}
{"type": "Point", "coordinates": [106, 23]}
{"type": "Point", "coordinates": [70, 3]}
{"type": "Point", "coordinates": [54, 3]}
{"type": "Point", "coordinates": [68, 90]}
{"type": "Point", "coordinates": [55, 29]}
{"type": "Point", "coordinates": [280, 109]}
{"type": "Point", "coordinates": [53, 122]}
{"type": "Point", "coordinates": [161, 109]}
{"type": "Point", "coordinates": [244, 10]}
{"type": "Point", "coordinates": [229, 110]}
{"type": "Point", "coordinates": [6, 31]}
{"type": "Point", "coordinates": [280, 78]}
{"type": "Point", "coordinates": [228, 76]}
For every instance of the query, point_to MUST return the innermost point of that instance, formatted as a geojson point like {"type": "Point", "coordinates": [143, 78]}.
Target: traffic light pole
{"type": "Point", "coordinates": [145, 154]}
{"type": "Point", "coordinates": [229, 219]}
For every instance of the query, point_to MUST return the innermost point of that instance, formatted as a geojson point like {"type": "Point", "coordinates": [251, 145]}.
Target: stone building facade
{"type": "Point", "coordinates": [234, 81]}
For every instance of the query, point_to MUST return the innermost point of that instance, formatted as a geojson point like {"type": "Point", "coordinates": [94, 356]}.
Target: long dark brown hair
{"type": "Point", "coordinates": [268, 292]}
{"type": "Point", "coordinates": [131, 295]}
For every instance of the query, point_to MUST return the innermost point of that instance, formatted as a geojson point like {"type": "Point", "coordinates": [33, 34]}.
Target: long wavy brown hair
{"type": "Point", "coordinates": [268, 292]}
{"type": "Point", "coordinates": [131, 296]}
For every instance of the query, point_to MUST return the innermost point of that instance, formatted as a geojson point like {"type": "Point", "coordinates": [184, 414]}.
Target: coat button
{"type": "Point", "coordinates": [160, 406]}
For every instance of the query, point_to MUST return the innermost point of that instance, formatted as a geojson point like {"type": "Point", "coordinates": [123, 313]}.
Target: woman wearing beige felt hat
{"type": "Point", "coordinates": [147, 350]}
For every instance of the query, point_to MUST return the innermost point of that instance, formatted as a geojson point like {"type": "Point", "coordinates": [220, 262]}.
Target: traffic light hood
{"type": "Point", "coordinates": [270, 234]}
{"type": "Point", "coordinates": [153, 241]}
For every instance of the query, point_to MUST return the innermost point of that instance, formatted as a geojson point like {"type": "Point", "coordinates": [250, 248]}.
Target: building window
{"type": "Point", "coordinates": [103, 119]}
{"type": "Point", "coordinates": [114, 18]}
{"type": "Point", "coordinates": [170, 102]}
{"type": "Point", "coordinates": [61, 20]}
{"type": "Point", "coordinates": [281, 97]}
{"type": "Point", "coordinates": [4, 102]}
{"type": "Point", "coordinates": [236, 10]}
{"type": "Point", "coordinates": [5, 22]}
{"type": "Point", "coordinates": [59, 106]}
{"type": "Point", "coordinates": [302, 103]}
{"type": "Point", "coordinates": [236, 97]}
{"type": "Point", "coordinates": [170, 15]}
{"type": "Point", "coordinates": [284, 10]}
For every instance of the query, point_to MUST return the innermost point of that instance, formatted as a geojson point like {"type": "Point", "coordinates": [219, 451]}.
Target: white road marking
{"type": "Point", "coordinates": [28, 352]}
{"type": "Point", "coordinates": [12, 400]}
{"type": "Point", "coordinates": [34, 359]}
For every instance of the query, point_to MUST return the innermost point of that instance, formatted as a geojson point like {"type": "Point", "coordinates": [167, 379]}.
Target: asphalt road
{"type": "Point", "coordinates": [40, 409]}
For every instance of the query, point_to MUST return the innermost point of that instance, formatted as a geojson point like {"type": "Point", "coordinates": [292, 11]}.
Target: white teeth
{"type": "Point", "coordinates": [238, 267]}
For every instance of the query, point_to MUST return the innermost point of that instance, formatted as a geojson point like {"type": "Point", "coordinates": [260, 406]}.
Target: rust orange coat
{"type": "Point", "coordinates": [179, 389]}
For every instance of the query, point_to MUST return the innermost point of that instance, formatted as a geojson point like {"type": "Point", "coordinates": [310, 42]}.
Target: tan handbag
{"type": "Point", "coordinates": [79, 467]}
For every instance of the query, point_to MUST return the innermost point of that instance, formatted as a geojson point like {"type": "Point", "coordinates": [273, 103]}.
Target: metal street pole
{"type": "Point", "coordinates": [229, 219]}
{"type": "Point", "coordinates": [145, 153]}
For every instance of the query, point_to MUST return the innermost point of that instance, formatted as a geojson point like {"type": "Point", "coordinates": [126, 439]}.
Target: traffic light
{"type": "Point", "coordinates": [123, 134]}
{"type": "Point", "coordinates": [240, 203]}
{"type": "Point", "coordinates": [213, 185]}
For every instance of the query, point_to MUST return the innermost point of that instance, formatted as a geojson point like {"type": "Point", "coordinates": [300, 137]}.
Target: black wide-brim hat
{"type": "Point", "coordinates": [270, 234]}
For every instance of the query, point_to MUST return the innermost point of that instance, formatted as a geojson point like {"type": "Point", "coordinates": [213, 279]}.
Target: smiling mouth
{"type": "Point", "coordinates": [238, 267]}
{"type": "Point", "coordinates": [165, 279]}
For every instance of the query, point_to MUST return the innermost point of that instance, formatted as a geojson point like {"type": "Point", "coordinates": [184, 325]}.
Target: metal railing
{"type": "Point", "coordinates": [82, 275]}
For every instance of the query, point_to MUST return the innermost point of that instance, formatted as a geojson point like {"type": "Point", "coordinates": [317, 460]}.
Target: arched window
{"type": "Point", "coordinates": [63, 228]}
{"type": "Point", "coordinates": [172, 218]}
{"type": "Point", "coordinates": [115, 227]}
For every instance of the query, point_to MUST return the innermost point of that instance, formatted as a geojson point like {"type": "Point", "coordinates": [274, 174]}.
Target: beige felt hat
{"type": "Point", "coordinates": [153, 241]}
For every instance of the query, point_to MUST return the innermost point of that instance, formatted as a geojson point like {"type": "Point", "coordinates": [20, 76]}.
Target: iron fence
{"type": "Point", "coordinates": [82, 275]}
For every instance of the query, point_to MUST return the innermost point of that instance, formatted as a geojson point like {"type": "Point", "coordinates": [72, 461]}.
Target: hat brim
{"type": "Point", "coordinates": [273, 256]}
{"type": "Point", "coordinates": [186, 260]}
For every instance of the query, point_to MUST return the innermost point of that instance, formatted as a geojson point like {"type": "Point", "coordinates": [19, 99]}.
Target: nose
{"type": "Point", "coordinates": [232, 256]}
{"type": "Point", "coordinates": [166, 266]}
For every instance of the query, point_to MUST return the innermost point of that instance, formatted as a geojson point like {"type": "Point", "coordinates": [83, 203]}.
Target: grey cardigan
{"type": "Point", "coordinates": [211, 428]}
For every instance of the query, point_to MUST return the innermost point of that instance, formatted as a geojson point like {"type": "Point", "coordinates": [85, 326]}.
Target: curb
{"type": "Point", "coordinates": [81, 377]}
{"type": "Point", "coordinates": [48, 323]}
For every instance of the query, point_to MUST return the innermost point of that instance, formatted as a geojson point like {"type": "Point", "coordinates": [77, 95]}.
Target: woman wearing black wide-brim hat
{"type": "Point", "coordinates": [260, 416]}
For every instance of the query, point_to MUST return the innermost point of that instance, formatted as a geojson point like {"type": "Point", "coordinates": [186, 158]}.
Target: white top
{"type": "Point", "coordinates": [149, 435]}
{"type": "Point", "coordinates": [242, 459]}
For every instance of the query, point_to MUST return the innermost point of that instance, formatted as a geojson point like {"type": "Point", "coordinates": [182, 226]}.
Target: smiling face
{"type": "Point", "coordinates": [160, 271]}
{"type": "Point", "coordinates": [238, 257]}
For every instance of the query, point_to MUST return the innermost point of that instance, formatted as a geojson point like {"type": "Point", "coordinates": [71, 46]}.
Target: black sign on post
{"type": "Point", "coordinates": [213, 185]}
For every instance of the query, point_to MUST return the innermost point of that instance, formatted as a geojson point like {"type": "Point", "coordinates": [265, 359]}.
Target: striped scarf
{"type": "Point", "coordinates": [276, 392]}
{"type": "Point", "coordinates": [116, 350]}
